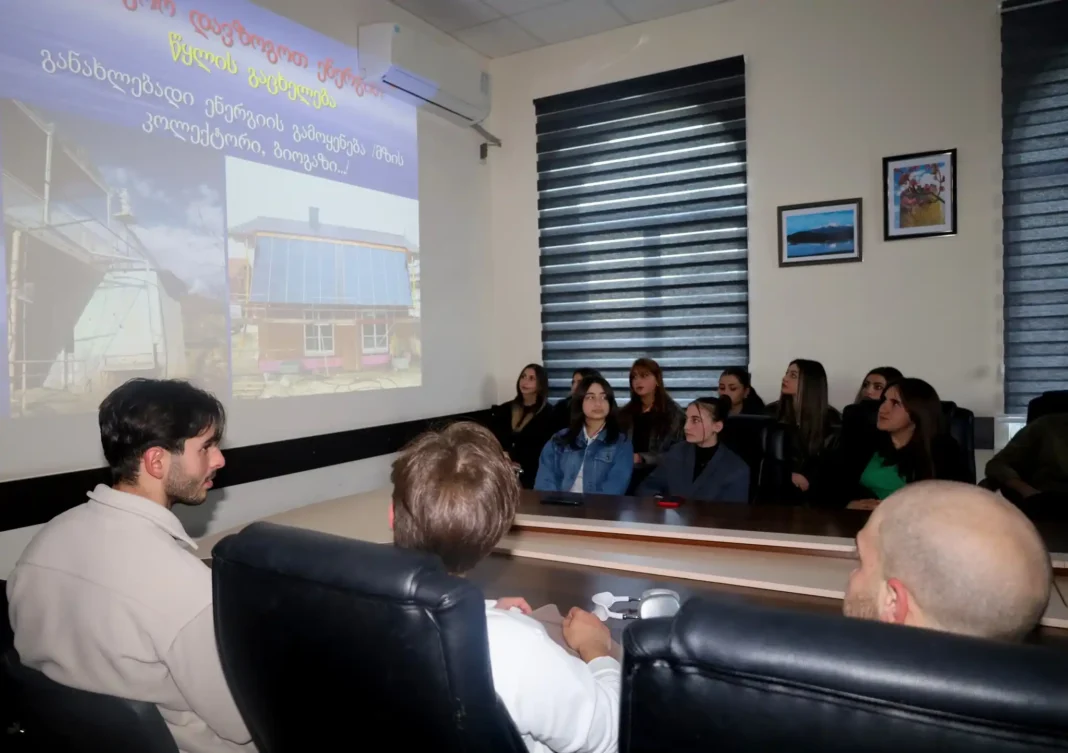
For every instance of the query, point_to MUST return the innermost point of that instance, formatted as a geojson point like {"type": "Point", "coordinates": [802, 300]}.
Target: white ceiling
{"type": "Point", "coordinates": [497, 28]}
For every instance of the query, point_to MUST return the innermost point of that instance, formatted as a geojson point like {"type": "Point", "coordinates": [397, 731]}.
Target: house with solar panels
{"type": "Point", "coordinates": [328, 298]}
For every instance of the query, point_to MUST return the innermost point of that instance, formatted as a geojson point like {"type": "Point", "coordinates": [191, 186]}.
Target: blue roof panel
{"type": "Point", "coordinates": [311, 272]}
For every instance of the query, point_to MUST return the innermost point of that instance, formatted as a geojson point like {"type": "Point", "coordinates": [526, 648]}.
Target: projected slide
{"type": "Point", "coordinates": [198, 189]}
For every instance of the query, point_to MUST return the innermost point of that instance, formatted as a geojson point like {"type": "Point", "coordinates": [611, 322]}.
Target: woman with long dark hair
{"type": "Point", "coordinates": [701, 467]}
{"type": "Point", "coordinates": [876, 381]}
{"type": "Point", "coordinates": [592, 455]}
{"type": "Point", "coordinates": [736, 384]}
{"type": "Point", "coordinates": [523, 424]}
{"type": "Point", "coordinates": [562, 409]}
{"type": "Point", "coordinates": [651, 419]}
{"type": "Point", "coordinates": [910, 443]}
{"type": "Point", "coordinates": [803, 404]}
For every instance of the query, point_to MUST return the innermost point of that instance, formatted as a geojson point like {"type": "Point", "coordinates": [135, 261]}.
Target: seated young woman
{"type": "Point", "coordinates": [592, 455]}
{"type": "Point", "coordinates": [701, 468]}
{"type": "Point", "coordinates": [651, 419]}
{"type": "Point", "coordinates": [803, 404]}
{"type": "Point", "coordinates": [526, 423]}
{"type": "Point", "coordinates": [909, 444]}
{"type": "Point", "coordinates": [736, 384]}
{"type": "Point", "coordinates": [875, 383]}
{"type": "Point", "coordinates": [562, 409]}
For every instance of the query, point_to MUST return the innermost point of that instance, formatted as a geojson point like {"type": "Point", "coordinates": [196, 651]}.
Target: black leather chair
{"type": "Point", "coordinates": [960, 423]}
{"type": "Point", "coordinates": [860, 417]}
{"type": "Point", "coordinates": [325, 639]}
{"type": "Point", "coordinates": [1055, 401]}
{"type": "Point", "coordinates": [744, 435]}
{"type": "Point", "coordinates": [60, 719]}
{"type": "Point", "coordinates": [730, 675]}
{"type": "Point", "coordinates": [764, 445]}
{"type": "Point", "coordinates": [775, 486]}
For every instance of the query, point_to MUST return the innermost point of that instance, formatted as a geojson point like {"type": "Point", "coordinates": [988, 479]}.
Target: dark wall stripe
{"type": "Point", "coordinates": [32, 501]}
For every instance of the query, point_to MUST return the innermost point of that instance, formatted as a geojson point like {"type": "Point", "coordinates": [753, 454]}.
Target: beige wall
{"type": "Point", "coordinates": [833, 86]}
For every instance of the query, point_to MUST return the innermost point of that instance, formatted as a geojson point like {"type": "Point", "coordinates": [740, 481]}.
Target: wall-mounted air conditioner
{"type": "Point", "coordinates": [414, 66]}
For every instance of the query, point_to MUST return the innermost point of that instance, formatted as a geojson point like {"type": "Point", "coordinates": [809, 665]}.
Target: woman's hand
{"type": "Point", "coordinates": [799, 481]}
{"type": "Point", "coordinates": [863, 504]}
{"type": "Point", "coordinates": [518, 602]}
{"type": "Point", "coordinates": [637, 459]}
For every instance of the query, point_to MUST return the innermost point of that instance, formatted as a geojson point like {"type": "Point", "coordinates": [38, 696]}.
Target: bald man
{"type": "Point", "coordinates": [951, 557]}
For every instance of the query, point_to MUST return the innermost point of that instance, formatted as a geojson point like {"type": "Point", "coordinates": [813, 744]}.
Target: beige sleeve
{"type": "Point", "coordinates": [194, 664]}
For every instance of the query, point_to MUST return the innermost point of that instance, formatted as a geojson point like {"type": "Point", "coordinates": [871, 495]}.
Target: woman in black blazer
{"type": "Point", "coordinates": [909, 443]}
{"type": "Point", "coordinates": [701, 468]}
{"type": "Point", "coordinates": [524, 424]}
{"type": "Point", "coordinates": [803, 405]}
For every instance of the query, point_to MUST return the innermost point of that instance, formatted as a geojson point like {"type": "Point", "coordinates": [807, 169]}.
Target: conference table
{"type": "Point", "coordinates": [562, 553]}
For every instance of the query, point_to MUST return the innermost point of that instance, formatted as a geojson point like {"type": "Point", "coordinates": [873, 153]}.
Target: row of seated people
{"type": "Point", "coordinates": [109, 598]}
{"type": "Point", "coordinates": [723, 449]}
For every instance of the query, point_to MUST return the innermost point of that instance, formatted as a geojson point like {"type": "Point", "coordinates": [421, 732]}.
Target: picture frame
{"type": "Point", "coordinates": [920, 195]}
{"type": "Point", "coordinates": [823, 232]}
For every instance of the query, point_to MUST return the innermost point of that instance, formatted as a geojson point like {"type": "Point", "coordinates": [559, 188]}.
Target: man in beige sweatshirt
{"type": "Point", "coordinates": [109, 596]}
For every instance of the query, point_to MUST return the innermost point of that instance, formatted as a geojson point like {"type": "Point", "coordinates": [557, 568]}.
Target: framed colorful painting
{"type": "Point", "coordinates": [920, 195]}
{"type": "Point", "coordinates": [826, 232]}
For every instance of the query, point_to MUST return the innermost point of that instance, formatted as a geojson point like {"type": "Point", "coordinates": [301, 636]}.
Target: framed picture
{"type": "Point", "coordinates": [827, 232]}
{"type": "Point", "coordinates": [920, 195]}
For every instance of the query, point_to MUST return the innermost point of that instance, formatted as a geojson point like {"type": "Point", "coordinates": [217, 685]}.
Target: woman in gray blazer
{"type": "Point", "coordinates": [701, 468]}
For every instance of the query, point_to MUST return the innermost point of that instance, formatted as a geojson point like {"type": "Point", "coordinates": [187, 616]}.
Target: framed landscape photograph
{"type": "Point", "coordinates": [827, 232]}
{"type": "Point", "coordinates": [920, 195]}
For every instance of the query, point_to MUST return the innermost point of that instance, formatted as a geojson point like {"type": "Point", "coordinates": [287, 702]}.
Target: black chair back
{"type": "Point", "coordinates": [731, 675]}
{"type": "Point", "coordinates": [60, 719]}
{"type": "Point", "coordinates": [775, 486]}
{"type": "Point", "coordinates": [325, 639]}
{"type": "Point", "coordinates": [1055, 401]}
{"type": "Point", "coordinates": [744, 435]}
{"type": "Point", "coordinates": [860, 417]}
{"type": "Point", "coordinates": [960, 423]}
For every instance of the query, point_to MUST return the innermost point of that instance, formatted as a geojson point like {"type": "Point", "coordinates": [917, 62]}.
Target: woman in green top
{"type": "Point", "coordinates": [908, 444]}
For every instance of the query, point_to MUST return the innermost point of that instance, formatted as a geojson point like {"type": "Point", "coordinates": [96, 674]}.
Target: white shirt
{"type": "Point", "coordinates": [558, 702]}
{"type": "Point", "coordinates": [109, 597]}
{"type": "Point", "coordinates": [577, 486]}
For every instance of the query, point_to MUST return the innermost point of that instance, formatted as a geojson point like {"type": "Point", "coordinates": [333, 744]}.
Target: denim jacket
{"type": "Point", "coordinates": [606, 468]}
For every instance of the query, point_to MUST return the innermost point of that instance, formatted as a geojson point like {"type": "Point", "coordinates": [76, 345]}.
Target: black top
{"type": "Point", "coordinates": [524, 446]}
{"type": "Point", "coordinates": [753, 405]}
{"type": "Point", "coordinates": [701, 457]}
{"type": "Point", "coordinates": [642, 431]}
{"type": "Point", "coordinates": [813, 466]}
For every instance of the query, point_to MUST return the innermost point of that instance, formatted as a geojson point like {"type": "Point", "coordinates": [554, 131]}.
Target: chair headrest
{"type": "Point", "coordinates": [926, 671]}
{"type": "Point", "coordinates": [345, 564]}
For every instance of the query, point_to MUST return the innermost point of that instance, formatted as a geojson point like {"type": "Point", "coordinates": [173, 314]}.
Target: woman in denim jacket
{"type": "Point", "coordinates": [591, 456]}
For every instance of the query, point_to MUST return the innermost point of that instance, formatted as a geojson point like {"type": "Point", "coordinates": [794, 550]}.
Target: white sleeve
{"type": "Point", "coordinates": [193, 661]}
{"type": "Point", "coordinates": [556, 698]}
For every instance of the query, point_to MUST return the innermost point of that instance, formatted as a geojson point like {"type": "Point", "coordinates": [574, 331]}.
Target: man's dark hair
{"type": "Point", "coordinates": [147, 413]}
{"type": "Point", "coordinates": [455, 495]}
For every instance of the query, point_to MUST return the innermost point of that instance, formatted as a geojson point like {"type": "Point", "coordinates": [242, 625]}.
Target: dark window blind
{"type": "Point", "coordinates": [1034, 62]}
{"type": "Point", "coordinates": [642, 218]}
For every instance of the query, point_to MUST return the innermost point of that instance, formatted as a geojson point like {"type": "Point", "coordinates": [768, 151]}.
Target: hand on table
{"type": "Point", "coordinates": [587, 635]}
{"type": "Point", "coordinates": [799, 481]}
{"type": "Point", "coordinates": [514, 601]}
{"type": "Point", "coordinates": [863, 504]}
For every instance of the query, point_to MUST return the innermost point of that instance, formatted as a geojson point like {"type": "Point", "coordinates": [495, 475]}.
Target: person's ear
{"type": "Point", "coordinates": [155, 462]}
{"type": "Point", "coordinates": [895, 606]}
{"type": "Point", "coordinates": [391, 516]}
{"type": "Point", "coordinates": [717, 427]}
